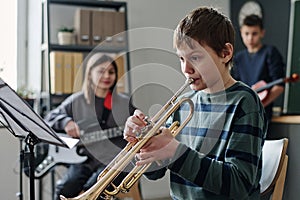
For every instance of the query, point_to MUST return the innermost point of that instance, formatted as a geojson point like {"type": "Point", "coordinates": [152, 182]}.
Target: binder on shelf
{"type": "Point", "coordinates": [56, 72]}
{"type": "Point", "coordinates": [77, 71]}
{"type": "Point", "coordinates": [108, 27]}
{"type": "Point", "coordinates": [82, 24]}
{"type": "Point", "coordinates": [97, 27]}
{"type": "Point", "coordinates": [67, 73]}
{"type": "Point", "coordinates": [119, 39]}
{"type": "Point", "coordinates": [121, 70]}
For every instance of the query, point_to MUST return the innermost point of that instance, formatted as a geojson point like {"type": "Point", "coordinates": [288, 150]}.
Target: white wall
{"type": "Point", "coordinates": [8, 57]}
{"type": "Point", "coordinates": [34, 45]}
{"type": "Point", "coordinates": [9, 156]}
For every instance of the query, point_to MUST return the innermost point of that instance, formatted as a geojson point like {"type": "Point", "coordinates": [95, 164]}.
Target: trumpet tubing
{"type": "Point", "coordinates": [119, 163]}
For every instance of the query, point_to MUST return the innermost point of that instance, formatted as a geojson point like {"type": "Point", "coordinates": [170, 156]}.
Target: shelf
{"type": "Point", "coordinates": [83, 48]}
{"type": "Point", "coordinates": [47, 46]}
{"type": "Point", "coordinates": [90, 3]}
{"type": "Point", "coordinates": [56, 99]}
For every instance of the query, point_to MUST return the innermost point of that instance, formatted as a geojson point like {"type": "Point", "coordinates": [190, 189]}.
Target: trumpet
{"type": "Point", "coordinates": [126, 156]}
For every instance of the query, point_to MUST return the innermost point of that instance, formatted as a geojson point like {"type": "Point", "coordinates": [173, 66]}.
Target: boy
{"type": "Point", "coordinates": [258, 62]}
{"type": "Point", "coordinates": [218, 154]}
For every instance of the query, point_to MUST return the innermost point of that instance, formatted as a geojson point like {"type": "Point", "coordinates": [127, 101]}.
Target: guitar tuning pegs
{"type": "Point", "coordinates": [295, 77]}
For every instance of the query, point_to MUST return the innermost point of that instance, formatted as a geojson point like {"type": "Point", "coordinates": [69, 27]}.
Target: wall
{"type": "Point", "coordinates": [34, 45]}
{"type": "Point", "coordinates": [292, 97]}
{"type": "Point", "coordinates": [9, 156]}
{"type": "Point", "coordinates": [8, 64]}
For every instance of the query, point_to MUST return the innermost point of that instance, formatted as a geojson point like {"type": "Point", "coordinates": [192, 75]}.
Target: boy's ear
{"type": "Point", "coordinates": [227, 52]}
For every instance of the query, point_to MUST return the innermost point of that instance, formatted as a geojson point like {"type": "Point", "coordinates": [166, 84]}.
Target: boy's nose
{"type": "Point", "coordinates": [187, 68]}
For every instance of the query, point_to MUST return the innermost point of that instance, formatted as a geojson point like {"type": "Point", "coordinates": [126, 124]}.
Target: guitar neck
{"type": "Point", "coordinates": [269, 85]}
{"type": "Point", "coordinates": [96, 136]}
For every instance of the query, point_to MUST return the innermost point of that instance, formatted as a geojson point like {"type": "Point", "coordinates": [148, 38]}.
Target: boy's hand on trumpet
{"type": "Point", "coordinates": [133, 125]}
{"type": "Point", "coordinates": [160, 147]}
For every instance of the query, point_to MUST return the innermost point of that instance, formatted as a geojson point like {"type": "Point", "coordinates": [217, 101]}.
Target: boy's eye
{"type": "Point", "coordinates": [194, 58]}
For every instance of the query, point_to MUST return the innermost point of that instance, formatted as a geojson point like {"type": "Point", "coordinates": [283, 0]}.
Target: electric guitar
{"type": "Point", "coordinates": [262, 87]}
{"type": "Point", "coordinates": [59, 155]}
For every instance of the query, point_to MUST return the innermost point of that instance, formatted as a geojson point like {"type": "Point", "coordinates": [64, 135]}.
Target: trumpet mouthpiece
{"type": "Point", "coordinates": [190, 80]}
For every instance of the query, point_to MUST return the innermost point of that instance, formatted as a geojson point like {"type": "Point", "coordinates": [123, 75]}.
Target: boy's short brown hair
{"type": "Point", "coordinates": [207, 26]}
{"type": "Point", "coordinates": [253, 20]}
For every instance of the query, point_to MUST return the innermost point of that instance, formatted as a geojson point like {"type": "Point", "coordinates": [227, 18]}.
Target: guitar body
{"type": "Point", "coordinates": [260, 84]}
{"type": "Point", "coordinates": [261, 87]}
{"type": "Point", "coordinates": [105, 142]}
{"type": "Point", "coordinates": [48, 155]}
{"type": "Point", "coordinates": [58, 155]}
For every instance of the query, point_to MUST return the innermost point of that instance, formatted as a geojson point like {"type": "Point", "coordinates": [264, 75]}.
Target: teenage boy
{"type": "Point", "coordinates": [218, 154]}
{"type": "Point", "coordinates": [259, 64]}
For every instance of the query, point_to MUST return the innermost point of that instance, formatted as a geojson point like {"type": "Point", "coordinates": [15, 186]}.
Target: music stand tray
{"type": "Point", "coordinates": [21, 120]}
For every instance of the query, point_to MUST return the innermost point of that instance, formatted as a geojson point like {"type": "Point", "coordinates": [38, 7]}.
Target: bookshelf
{"type": "Point", "coordinates": [58, 13]}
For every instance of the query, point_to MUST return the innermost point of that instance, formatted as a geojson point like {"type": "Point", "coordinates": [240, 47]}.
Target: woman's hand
{"type": "Point", "coordinates": [72, 129]}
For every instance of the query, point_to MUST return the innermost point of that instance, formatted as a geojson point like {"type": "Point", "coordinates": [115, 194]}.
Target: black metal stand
{"type": "Point", "coordinates": [19, 118]}
{"type": "Point", "coordinates": [31, 140]}
{"type": "Point", "coordinates": [53, 183]}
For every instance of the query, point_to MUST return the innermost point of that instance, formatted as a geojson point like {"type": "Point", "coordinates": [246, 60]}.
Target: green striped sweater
{"type": "Point", "coordinates": [219, 156]}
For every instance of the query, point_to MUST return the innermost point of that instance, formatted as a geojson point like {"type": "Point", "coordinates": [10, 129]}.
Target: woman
{"type": "Point", "coordinates": [96, 107]}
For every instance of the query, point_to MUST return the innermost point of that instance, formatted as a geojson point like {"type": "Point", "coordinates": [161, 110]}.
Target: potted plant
{"type": "Point", "coordinates": [65, 36]}
{"type": "Point", "coordinates": [27, 95]}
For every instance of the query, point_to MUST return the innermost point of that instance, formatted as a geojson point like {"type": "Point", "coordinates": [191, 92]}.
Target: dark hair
{"type": "Point", "coordinates": [93, 61]}
{"type": "Point", "coordinates": [207, 26]}
{"type": "Point", "coordinates": [253, 20]}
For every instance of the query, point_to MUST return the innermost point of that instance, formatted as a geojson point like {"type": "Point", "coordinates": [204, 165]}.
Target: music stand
{"type": "Point", "coordinates": [23, 122]}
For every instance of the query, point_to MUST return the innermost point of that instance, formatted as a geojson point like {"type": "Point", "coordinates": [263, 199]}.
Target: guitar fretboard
{"type": "Point", "coordinates": [96, 136]}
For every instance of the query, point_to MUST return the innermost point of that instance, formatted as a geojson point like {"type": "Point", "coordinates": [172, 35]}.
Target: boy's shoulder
{"type": "Point", "coordinates": [270, 50]}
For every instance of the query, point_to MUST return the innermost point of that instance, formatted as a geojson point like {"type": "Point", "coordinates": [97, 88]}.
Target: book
{"type": "Point", "coordinates": [56, 72]}
{"type": "Point", "coordinates": [77, 71]}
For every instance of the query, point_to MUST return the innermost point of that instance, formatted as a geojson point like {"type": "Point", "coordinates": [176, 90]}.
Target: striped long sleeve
{"type": "Point", "coordinates": [219, 156]}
